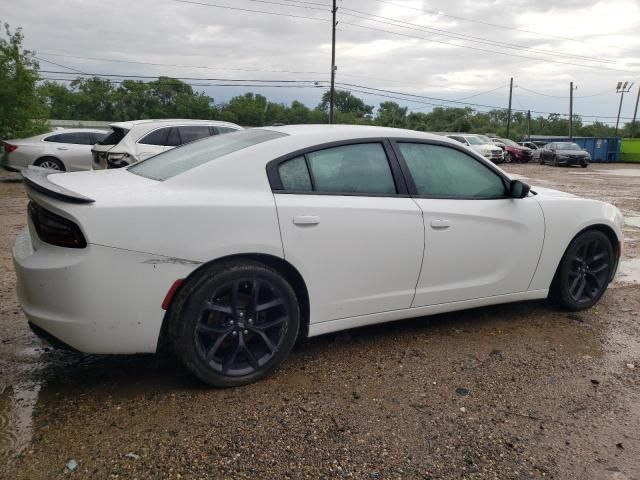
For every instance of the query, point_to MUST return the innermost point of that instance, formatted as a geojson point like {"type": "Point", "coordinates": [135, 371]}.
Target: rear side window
{"type": "Point", "coordinates": [444, 172]}
{"type": "Point", "coordinates": [360, 168]}
{"type": "Point", "coordinates": [75, 138]}
{"type": "Point", "coordinates": [115, 136]}
{"type": "Point", "coordinates": [226, 129]}
{"type": "Point", "coordinates": [189, 133]}
{"type": "Point", "coordinates": [295, 175]}
{"type": "Point", "coordinates": [156, 137]}
{"type": "Point", "coordinates": [348, 169]}
{"type": "Point", "coordinates": [179, 160]}
{"type": "Point", "coordinates": [173, 140]}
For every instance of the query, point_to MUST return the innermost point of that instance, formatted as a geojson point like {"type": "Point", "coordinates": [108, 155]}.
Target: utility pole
{"type": "Point", "coordinates": [571, 111]}
{"type": "Point", "coordinates": [621, 88]}
{"type": "Point", "coordinates": [333, 61]}
{"type": "Point", "coordinates": [528, 124]}
{"type": "Point", "coordinates": [635, 112]}
{"type": "Point", "coordinates": [509, 117]}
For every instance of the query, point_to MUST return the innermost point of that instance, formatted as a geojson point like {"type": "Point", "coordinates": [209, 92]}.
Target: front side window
{"type": "Point", "coordinates": [444, 172]}
{"type": "Point", "coordinates": [190, 133]}
{"type": "Point", "coordinates": [359, 168]}
{"type": "Point", "coordinates": [157, 137]}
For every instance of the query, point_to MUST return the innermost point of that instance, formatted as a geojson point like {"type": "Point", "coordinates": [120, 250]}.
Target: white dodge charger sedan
{"type": "Point", "coordinates": [231, 247]}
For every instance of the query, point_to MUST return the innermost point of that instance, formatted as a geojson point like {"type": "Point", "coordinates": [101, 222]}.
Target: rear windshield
{"type": "Point", "coordinates": [114, 137]}
{"type": "Point", "coordinates": [179, 160]}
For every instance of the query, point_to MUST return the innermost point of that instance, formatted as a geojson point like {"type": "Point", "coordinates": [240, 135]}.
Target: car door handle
{"type": "Point", "coordinates": [306, 220]}
{"type": "Point", "coordinates": [440, 223]}
{"type": "Point", "coordinates": [63, 148]}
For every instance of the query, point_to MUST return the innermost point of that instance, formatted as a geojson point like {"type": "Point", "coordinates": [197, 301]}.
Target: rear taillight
{"type": "Point", "coordinates": [54, 229]}
{"type": "Point", "coordinates": [8, 148]}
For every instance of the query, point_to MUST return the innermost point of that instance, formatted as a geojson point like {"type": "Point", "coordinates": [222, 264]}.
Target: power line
{"type": "Point", "coordinates": [256, 85]}
{"type": "Point", "coordinates": [280, 14]}
{"type": "Point", "coordinates": [486, 50]}
{"type": "Point", "coordinates": [464, 37]}
{"type": "Point", "coordinates": [59, 65]}
{"type": "Point", "coordinates": [188, 78]}
{"type": "Point", "coordinates": [137, 62]}
{"type": "Point", "coordinates": [563, 96]}
{"type": "Point", "coordinates": [505, 27]}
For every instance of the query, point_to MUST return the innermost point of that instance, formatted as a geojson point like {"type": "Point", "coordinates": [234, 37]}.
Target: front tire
{"type": "Point", "coordinates": [234, 323]}
{"type": "Point", "coordinates": [584, 271]}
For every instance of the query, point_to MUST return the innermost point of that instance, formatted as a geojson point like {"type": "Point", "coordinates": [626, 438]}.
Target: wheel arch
{"type": "Point", "coordinates": [53, 157]}
{"type": "Point", "coordinates": [608, 231]}
{"type": "Point", "coordinates": [282, 266]}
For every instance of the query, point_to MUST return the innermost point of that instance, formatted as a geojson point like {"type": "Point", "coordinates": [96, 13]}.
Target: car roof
{"type": "Point", "coordinates": [328, 133]}
{"type": "Point", "coordinates": [170, 121]}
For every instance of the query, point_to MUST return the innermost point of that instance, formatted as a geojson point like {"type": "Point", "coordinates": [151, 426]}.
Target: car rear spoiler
{"type": "Point", "coordinates": [36, 178]}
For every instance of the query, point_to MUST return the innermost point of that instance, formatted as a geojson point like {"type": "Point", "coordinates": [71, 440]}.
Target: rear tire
{"type": "Point", "coordinates": [584, 271]}
{"type": "Point", "coordinates": [234, 323]}
{"type": "Point", "coordinates": [50, 163]}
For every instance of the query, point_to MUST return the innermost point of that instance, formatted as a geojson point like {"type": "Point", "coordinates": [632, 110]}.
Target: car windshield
{"type": "Point", "coordinates": [567, 146]}
{"type": "Point", "coordinates": [506, 141]}
{"type": "Point", "coordinates": [474, 140]}
{"type": "Point", "coordinates": [179, 160]}
{"type": "Point", "coordinates": [484, 139]}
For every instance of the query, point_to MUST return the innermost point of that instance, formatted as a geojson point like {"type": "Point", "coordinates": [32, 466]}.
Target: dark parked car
{"type": "Point", "coordinates": [515, 152]}
{"type": "Point", "coordinates": [564, 153]}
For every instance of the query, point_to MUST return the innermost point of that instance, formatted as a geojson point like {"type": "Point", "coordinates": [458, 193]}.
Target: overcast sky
{"type": "Point", "coordinates": [449, 49]}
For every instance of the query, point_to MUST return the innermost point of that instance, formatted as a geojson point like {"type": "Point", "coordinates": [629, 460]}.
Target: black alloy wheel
{"type": "Point", "coordinates": [235, 324]}
{"type": "Point", "coordinates": [585, 271]}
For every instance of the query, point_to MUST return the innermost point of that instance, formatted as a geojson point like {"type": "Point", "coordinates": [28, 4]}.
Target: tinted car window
{"type": "Point", "coordinates": [179, 160]}
{"type": "Point", "coordinates": [77, 138]}
{"type": "Point", "coordinates": [294, 175]}
{"type": "Point", "coordinates": [361, 168]}
{"type": "Point", "coordinates": [445, 172]}
{"type": "Point", "coordinates": [173, 140]}
{"type": "Point", "coordinates": [190, 133]}
{"type": "Point", "coordinates": [98, 137]}
{"type": "Point", "coordinates": [115, 136]}
{"type": "Point", "coordinates": [226, 129]}
{"type": "Point", "coordinates": [156, 137]}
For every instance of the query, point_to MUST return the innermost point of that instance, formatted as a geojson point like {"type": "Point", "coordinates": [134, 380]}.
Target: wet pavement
{"type": "Point", "coordinates": [513, 391]}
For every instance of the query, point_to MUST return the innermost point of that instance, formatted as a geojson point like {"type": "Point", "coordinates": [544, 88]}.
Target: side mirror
{"type": "Point", "coordinates": [518, 189]}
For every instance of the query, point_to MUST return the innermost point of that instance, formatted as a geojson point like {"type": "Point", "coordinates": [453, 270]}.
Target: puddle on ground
{"type": "Point", "coordinates": [622, 172]}
{"type": "Point", "coordinates": [17, 403]}
{"type": "Point", "coordinates": [632, 221]}
{"type": "Point", "coordinates": [629, 272]}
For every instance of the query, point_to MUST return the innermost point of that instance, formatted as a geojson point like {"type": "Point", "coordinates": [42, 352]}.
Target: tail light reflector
{"type": "Point", "coordinates": [8, 148]}
{"type": "Point", "coordinates": [54, 229]}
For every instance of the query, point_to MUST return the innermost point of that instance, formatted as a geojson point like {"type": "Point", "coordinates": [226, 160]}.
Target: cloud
{"type": "Point", "coordinates": [442, 54]}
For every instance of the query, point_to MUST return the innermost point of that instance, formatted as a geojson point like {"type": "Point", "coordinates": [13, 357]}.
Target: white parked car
{"type": "Point", "coordinates": [233, 246]}
{"type": "Point", "coordinates": [131, 142]}
{"type": "Point", "coordinates": [480, 145]}
{"type": "Point", "coordinates": [66, 149]}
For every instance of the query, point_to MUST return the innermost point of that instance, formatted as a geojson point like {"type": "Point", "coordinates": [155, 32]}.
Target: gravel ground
{"type": "Point", "coordinates": [515, 391]}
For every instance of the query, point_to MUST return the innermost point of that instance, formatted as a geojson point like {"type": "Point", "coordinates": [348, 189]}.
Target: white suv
{"type": "Point", "coordinates": [131, 142]}
{"type": "Point", "coordinates": [480, 145]}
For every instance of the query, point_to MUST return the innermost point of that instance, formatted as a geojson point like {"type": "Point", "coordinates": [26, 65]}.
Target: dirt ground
{"type": "Point", "coordinates": [517, 391]}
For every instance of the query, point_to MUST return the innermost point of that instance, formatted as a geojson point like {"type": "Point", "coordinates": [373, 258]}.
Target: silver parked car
{"type": "Point", "coordinates": [66, 150]}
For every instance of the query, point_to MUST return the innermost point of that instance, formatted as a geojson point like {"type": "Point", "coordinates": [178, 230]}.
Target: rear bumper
{"type": "Point", "coordinates": [97, 299]}
{"type": "Point", "coordinates": [572, 161]}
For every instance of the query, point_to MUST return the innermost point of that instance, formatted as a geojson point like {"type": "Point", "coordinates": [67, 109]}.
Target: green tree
{"type": "Point", "coordinates": [349, 108]}
{"type": "Point", "coordinates": [390, 114]}
{"type": "Point", "coordinates": [22, 112]}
